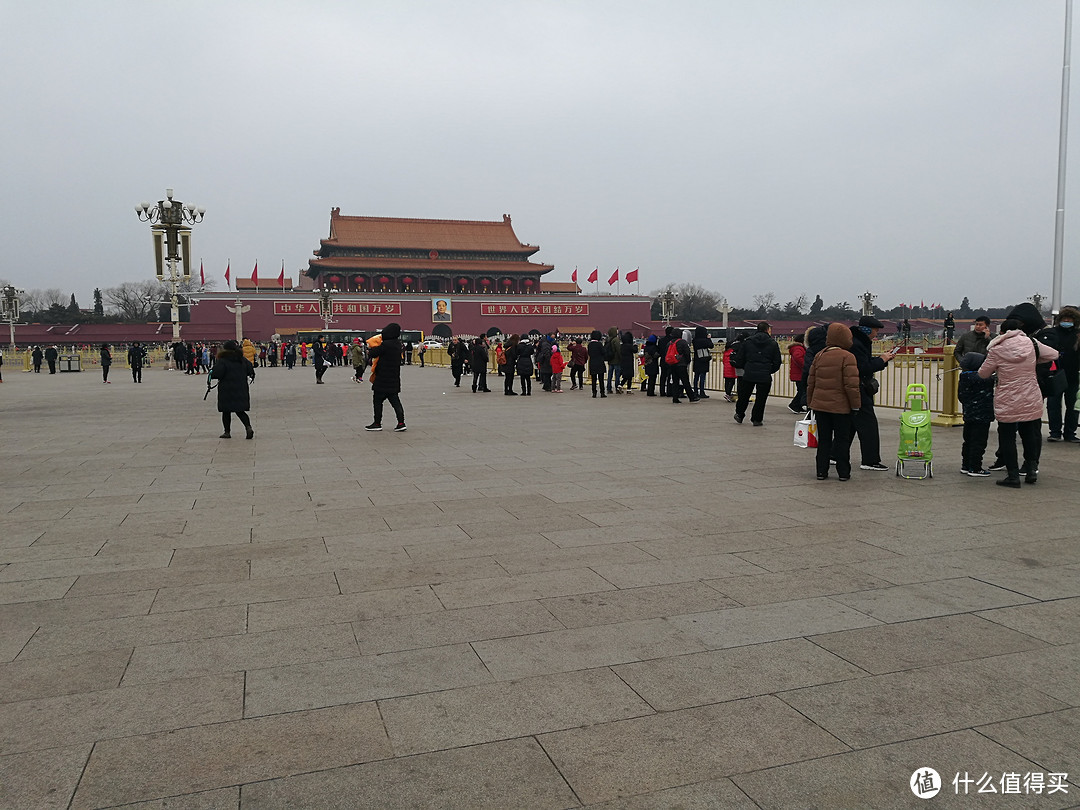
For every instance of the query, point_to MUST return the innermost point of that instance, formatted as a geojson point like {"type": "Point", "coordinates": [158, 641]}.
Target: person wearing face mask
{"type": "Point", "coordinates": [976, 340]}
{"type": "Point", "coordinates": [1065, 337]}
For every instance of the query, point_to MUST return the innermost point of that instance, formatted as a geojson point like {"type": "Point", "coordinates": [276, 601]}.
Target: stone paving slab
{"type": "Point", "coordinates": [511, 605]}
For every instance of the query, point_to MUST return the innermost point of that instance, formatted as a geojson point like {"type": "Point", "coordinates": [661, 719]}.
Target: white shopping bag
{"type": "Point", "coordinates": [806, 431]}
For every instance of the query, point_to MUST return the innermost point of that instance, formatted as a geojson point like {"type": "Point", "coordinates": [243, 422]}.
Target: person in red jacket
{"type": "Point", "coordinates": [795, 373]}
{"type": "Point", "coordinates": [557, 366]}
{"type": "Point", "coordinates": [729, 370]}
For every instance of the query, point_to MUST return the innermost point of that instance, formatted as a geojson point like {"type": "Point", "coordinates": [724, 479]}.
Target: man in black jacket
{"type": "Point", "coordinates": [759, 358]}
{"type": "Point", "coordinates": [865, 422]}
{"type": "Point", "coordinates": [387, 376]}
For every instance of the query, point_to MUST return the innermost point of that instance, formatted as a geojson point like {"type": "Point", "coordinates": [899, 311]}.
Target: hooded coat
{"type": "Point", "coordinates": [833, 384]}
{"type": "Point", "coordinates": [1012, 356]}
{"type": "Point", "coordinates": [627, 355]}
{"type": "Point", "coordinates": [703, 345]}
{"type": "Point", "coordinates": [1066, 341]}
{"type": "Point", "coordinates": [387, 374]}
{"type": "Point", "coordinates": [232, 371]}
{"type": "Point", "coordinates": [249, 351]}
{"type": "Point", "coordinates": [759, 357]}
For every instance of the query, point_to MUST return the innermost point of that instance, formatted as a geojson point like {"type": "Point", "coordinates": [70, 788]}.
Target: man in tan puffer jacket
{"type": "Point", "coordinates": [832, 392]}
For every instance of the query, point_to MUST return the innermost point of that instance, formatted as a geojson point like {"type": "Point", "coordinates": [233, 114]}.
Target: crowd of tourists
{"type": "Point", "coordinates": [1010, 378]}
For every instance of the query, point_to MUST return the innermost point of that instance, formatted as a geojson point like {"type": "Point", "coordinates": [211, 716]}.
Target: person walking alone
{"type": "Point", "coordinates": [106, 362]}
{"type": "Point", "coordinates": [136, 354]}
{"type": "Point", "coordinates": [759, 358]}
{"type": "Point", "coordinates": [385, 353]}
{"type": "Point", "coordinates": [233, 370]}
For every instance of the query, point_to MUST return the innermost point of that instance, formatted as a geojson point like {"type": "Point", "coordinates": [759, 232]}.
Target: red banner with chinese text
{"type": "Point", "coordinates": [340, 308]}
{"type": "Point", "coordinates": [534, 309]}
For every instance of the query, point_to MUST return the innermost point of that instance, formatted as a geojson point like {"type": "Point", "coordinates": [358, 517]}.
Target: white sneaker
{"type": "Point", "coordinates": [876, 467]}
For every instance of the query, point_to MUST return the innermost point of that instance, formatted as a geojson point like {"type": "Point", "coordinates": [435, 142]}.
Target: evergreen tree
{"type": "Point", "coordinates": [99, 305]}
{"type": "Point", "coordinates": [73, 310]}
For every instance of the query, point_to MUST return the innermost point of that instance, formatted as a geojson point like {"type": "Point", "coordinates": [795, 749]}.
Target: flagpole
{"type": "Point", "coordinates": [1063, 137]}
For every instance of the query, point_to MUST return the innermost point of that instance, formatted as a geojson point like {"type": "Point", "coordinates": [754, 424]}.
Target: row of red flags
{"type": "Point", "coordinates": [631, 275]}
{"type": "Point", "coordinates": [254, 275]}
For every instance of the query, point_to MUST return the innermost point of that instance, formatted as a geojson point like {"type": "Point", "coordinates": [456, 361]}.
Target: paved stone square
{"type": "Point", "coordinates": [529, 602]}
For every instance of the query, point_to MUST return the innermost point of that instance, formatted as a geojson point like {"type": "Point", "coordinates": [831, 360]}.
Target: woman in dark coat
{"type": "Point", "coordinates": [232, 371]}
{"type": "Point", "coordinates": [106, 361]}
{"type": "Point", "coordinates": [627, 358]}
{"type": "Point", "coordinates": [524, 363]}
{"type": "Point", "coordinates": [511, 354]}
{"type": "Point", "coordinates": [385, 348]}
{"type": "Point", "coordinates": [702, 347]}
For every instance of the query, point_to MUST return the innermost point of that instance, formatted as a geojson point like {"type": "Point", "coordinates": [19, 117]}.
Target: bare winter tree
{"type": "Point", "coordinates": [135, 300]}
{"type": "Point", "coordinates": [765, 303]}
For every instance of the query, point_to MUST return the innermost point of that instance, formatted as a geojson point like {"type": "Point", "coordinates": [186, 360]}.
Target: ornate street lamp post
{"type": "Point", "coordinates": [868, 299]}
{"type": "Point", "coordinates": [667, 306]}
{"type": "Point", "coordinates": [172, 245]}
{"type": "Point", "coordinates": [326, 306]}
{"type": "Point", "coordinates": [9, 302]}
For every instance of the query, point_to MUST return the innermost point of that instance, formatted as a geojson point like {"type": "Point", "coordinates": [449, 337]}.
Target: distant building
{"type": "Point", "coordinates": [384, 255]}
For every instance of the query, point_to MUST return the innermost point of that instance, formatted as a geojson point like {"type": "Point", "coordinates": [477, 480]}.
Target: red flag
{"type": "Point", "coordinates": [255, 275]}
{"type": "Point", "coordinates": [227, 268]}
{"type": "Point", "coordinates": [573, 276]}
{"type": "Point", "coordinates": [614, 277]}
{"type": "Point", "coordinates": [202, 276]}
{"type": "Point", "coordinates": [594, 275]}
{"type": "Point", "coordinates": [632, 275]}
{"type": "Point", "coordinates": [281, 277]}
{"type": "Point", "coordinates": [922, 304]}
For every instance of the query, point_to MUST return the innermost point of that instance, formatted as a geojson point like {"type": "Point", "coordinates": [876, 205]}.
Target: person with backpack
{"type": "Point", "coordinates": [627, 358]}
{"type": "Point", "coordinates": [662, 347]}
{"type": "Point", "coordinates": [703, 347]}
{"type": "Point", "coordinates": [596, 361]}
{"type": "Point", "coordinates": [759, 358]}
{"type": "Point", "coordinates": [678, 359]}
{"type": "Point", "coordinates": [611, 358]}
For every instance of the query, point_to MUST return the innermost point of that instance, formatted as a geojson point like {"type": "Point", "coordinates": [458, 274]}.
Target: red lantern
{"type": "Point", "coordinates": [334, 279]}
{"type": "Point", "coordinates": [462, 281]}
{"type": "Point", "coordinates": [407, 280]}
{"type": "Point", "coordinates": [528, 282]}
{"type": "Point", "coordinates": [384, 280]}
{"type": "Point", "coordinates": [508, 282]}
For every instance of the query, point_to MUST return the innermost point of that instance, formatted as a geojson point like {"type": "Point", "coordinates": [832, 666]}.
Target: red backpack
{"type": "Point", "coordinates": [671, 357]}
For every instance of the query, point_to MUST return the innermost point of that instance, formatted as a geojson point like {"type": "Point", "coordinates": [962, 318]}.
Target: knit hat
{"type": "Point", "coordinates": [871, 322]}
{"type": "Point", "coordinates": [971, 361]}
{"type": "Point", "coordinates": [1028, 315]}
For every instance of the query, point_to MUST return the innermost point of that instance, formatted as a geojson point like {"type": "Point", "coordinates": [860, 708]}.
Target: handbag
{"type": "Point", "coordinates": [806, 431]}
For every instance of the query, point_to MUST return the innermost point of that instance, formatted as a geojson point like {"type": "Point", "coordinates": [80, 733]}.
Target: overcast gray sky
{"type": "Point", "coordinates": [790, 146]}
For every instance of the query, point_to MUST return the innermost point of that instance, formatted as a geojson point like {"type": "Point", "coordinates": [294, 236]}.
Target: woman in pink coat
{"type": "Point", "coordinates": [1018, 402]}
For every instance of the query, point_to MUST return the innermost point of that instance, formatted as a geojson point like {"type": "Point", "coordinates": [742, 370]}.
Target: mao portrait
{"type": "Point", "coordinates": [440, 311]}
